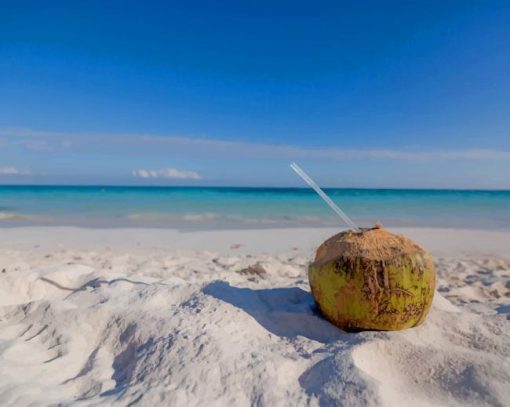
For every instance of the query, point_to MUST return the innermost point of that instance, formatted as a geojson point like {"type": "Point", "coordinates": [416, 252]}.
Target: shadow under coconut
{"type": "Point", "coordinates": [286, 312]}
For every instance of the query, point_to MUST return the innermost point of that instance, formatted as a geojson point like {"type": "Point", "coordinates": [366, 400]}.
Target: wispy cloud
{"type": "Point", "coordinates": [203, 147]}
{"type": "Point", "coordinates": [166, 173]}
{"type": "Point", "coordinates": [12, 171]}
{"type": "Point", "coordinates": [9, 171]}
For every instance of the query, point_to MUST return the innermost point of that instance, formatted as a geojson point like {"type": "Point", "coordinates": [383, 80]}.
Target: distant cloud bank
{"type": "Point", "coordinates": [203, 147]}
{"type": "Point", "coordinates": [141, 159]}
{"type": "Point", "coordinates": [166, 173]}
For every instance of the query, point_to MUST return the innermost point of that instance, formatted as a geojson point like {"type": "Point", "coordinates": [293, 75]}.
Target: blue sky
{"type": "Point", "coordinates": [370, 94]}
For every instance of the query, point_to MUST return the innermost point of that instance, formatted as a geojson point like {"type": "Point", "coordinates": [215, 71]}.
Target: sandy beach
{"type": "Point", "coordinates": [162, 317]}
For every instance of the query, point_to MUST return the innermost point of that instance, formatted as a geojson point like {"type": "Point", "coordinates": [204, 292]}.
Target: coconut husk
{"type": "Point", "coordinates": [372, 244]}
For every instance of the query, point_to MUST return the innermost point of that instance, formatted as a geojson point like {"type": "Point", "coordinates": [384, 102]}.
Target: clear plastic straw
{"type": "Point", "coordinates": [326, 198]}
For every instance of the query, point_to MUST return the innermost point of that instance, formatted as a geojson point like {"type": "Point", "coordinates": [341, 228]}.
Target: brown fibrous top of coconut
{"type": "Point", "coordinates": [372, 244]}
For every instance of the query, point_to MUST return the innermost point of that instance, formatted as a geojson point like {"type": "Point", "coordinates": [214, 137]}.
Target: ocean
{"type": "Point", "coordinates": [217, 208]}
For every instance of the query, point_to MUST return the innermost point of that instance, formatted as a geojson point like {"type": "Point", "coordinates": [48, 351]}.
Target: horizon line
{"type": "Point", "coordinates": [254, 187]}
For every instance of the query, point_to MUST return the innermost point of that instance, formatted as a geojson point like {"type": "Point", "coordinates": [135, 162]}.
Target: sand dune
{"type": "Point", "coordinates": [180, 327]}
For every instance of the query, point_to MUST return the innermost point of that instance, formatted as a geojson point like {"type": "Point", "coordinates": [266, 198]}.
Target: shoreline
{"type": "Point", "coordinates": [439, 241]}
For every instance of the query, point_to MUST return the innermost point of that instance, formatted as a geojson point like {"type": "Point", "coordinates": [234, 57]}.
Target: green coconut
{"type": "Point", "coordinates": [372, 279]}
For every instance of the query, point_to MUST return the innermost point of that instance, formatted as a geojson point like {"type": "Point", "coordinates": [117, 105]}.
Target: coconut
{"type": "Point", "coordinates": [372, 279]}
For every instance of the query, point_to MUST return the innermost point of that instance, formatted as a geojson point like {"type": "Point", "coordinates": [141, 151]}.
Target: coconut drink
{"type": "Point", "coordinates": [370, 278]}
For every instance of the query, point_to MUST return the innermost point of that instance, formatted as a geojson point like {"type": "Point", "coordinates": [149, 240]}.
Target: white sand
{"type": "Point", "coordinates": [160, 317]}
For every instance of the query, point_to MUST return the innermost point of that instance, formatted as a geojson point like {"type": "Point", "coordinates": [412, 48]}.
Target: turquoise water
{"type": "Point", "coordinates": [206, 208]}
